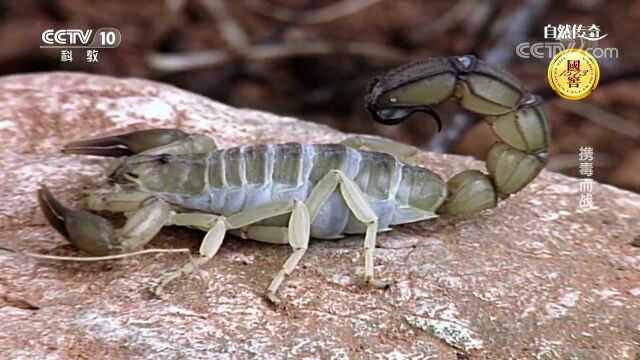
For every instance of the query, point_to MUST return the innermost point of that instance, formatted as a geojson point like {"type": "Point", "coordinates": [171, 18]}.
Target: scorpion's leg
{"type": "Point", "coordinates": [402, 151]}
{"type": "Point", "coordinates": [216, 228]}
{"type": "Point", "coordinates": [297, 235]}
{"type": "Point", "coordinates": [358, 204]}
{"type": "Point", "coordinates": [152, 142]}
{"type": "Point", "coordinates": [95, 235]}
{"type": "Point", "coordinates": [278, 235]}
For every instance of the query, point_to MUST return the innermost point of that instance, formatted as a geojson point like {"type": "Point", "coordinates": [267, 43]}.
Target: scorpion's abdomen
{"type": "Point", "coordinates": [245, 177]}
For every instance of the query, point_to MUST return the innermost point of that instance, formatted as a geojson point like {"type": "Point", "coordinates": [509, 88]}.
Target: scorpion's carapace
{"type": "Point", "coordinates": [288, 193]}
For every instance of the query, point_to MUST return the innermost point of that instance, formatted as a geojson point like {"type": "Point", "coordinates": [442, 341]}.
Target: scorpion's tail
{"type": "Point", "coordinates": [517, 117]}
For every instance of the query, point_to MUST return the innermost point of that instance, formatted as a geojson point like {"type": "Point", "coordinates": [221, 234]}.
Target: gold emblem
{"type": "Point", "coordinates": [573, 74]}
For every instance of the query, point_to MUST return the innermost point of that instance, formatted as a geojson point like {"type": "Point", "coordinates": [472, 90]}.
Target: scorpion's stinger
{"type": "Point", "coordinates": [396, 115]}
{"type": "Point", "coordinates": [126, 144]}
{"type": "Point", "coordinates": [434, 115]}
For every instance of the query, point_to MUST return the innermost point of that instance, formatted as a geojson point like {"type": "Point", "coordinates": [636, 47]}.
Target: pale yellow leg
{"type": "Point", "coordinates": [278, 235]}
{"type": "Point", "coordinates": [358, 204]}
{"type": "Point", "coordinates": [297, 235]}
{"type": "Point", "coordinates": [209, 247]}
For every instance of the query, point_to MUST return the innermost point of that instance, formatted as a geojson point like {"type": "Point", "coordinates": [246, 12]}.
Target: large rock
{"type": "Point", "coordinates": [536, 277]}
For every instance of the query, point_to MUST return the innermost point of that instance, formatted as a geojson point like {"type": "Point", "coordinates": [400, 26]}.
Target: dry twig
{"type": "Point", "coordinates": [167, 21]}
{"type": "Point", "coordinates": [233, 33]}
{"type": "Point", "coordinates": [459, 12]}
{"type": "Point", "coordinates": [216, 83]}
{"type": "Point", "coordinates": [325, 14]}
{"type": "Point", "coordinates": [242, 48]}
{"type": "Point", "coordinates": [566, 162]}
{"type": "Point", "coordinates": [211, 58]}
{"type": "Point", "coordinates": [602, 117]}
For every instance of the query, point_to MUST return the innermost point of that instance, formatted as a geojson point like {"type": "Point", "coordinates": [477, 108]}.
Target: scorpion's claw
{"type": "Point", "coordinates": [86, 231]}
{"type": "Point", "coordinates": [126, 144]}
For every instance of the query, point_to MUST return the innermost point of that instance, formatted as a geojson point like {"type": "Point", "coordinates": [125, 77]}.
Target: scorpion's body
{"type": "Point", "coordinates": [228, 181]}
{"type": "Point", "coordinates": [287, 193]}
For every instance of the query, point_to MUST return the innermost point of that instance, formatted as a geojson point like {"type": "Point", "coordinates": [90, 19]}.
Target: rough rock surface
{"type": "Point", "coordinates": [538, 277]}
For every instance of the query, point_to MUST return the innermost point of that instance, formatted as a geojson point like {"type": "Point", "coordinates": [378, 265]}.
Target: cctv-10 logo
{"type": "Point", "coordinates": [65, 38]}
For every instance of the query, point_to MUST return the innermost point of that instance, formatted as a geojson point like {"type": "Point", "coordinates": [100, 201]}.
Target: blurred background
{"type": "Point", "coordinates": [314, 58]}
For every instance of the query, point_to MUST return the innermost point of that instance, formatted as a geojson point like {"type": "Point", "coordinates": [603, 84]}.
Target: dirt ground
{"type": "Point", "coordinates": [329, 88]}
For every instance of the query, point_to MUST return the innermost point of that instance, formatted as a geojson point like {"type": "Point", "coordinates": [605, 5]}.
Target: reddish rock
{"type": "Point", "coordinates": [538, 277]}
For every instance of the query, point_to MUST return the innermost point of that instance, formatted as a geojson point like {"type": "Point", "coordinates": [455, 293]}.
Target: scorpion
{"type": "Point", "coordinates": [289, 193]}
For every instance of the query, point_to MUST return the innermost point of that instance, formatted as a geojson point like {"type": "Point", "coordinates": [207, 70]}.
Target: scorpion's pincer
{"type": "Point", "coordinates": [126, 144]}
{"type": "Point", "coordinates": [86, 231]}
